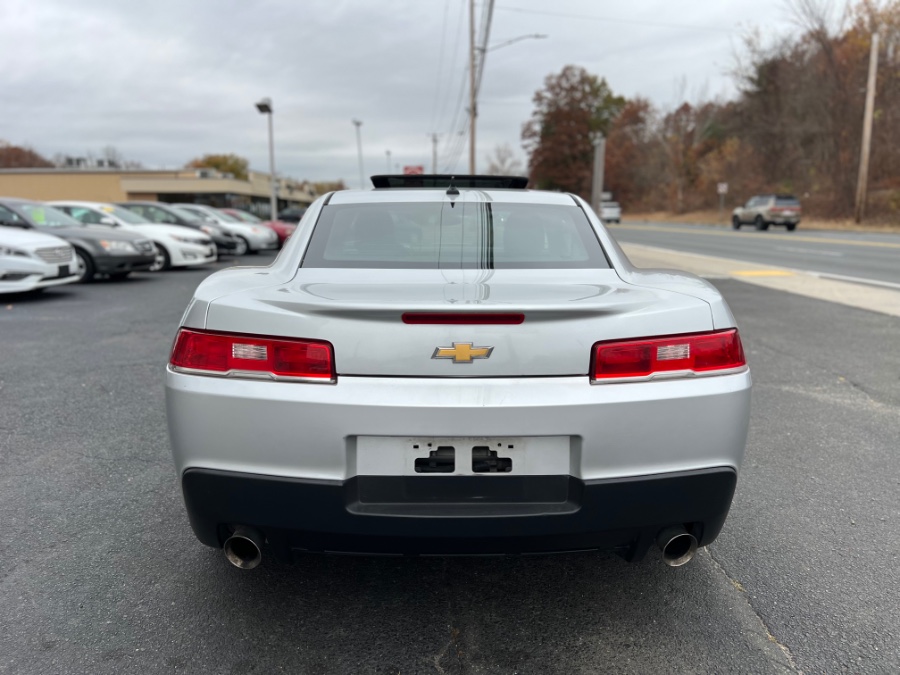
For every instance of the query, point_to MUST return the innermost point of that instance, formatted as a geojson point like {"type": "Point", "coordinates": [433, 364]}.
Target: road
{"type": "Point", "coordinates": [102, 574]}
{"type": "Point", "coordinates": [858, 255]}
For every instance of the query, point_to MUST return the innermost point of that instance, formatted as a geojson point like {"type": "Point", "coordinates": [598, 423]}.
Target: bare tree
{"type": "Point", "coordinates": [503, 162]}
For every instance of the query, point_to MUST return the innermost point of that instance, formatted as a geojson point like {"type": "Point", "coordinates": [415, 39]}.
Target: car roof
{"type": "Point", "coordinates": [74, 202]}
{"type": "Point", "coordinates": [145, 203]}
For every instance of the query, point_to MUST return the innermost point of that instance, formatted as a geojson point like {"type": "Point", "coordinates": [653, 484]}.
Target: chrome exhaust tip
{"type": "Point", "coordinates": [677, 545]}
{"type": "Point", "coordinates": [243, 548]}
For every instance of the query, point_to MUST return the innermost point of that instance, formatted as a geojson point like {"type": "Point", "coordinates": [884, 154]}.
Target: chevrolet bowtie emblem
{"type": "Point", "coordinates": [462, 352]}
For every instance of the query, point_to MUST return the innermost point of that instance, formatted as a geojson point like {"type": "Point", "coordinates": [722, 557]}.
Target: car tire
{"type": "Point", "coordinates": [242, 246]}
{"type": "Point", "coordinates": [84, 267]}
{"type": "Point", "coordinates": [163, 261]}
{"type": "Point", "coordinates": [735, 222]}
{"type": "Point", "coordinates": [791, 227]}
{"type": "Point", "coordinates": [760, 224]}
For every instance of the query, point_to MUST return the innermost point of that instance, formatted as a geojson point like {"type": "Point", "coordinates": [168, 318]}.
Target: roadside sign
{"type": "Point", "coordinates": [606, 196]}
{"type": "Point", "coordinates": [722, 188]}
{"type": "Point", "coordinates": [413, 170]}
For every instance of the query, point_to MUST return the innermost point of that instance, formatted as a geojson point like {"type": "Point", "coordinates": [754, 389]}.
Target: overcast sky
{"type": "Point", "coordinates": [169, 80]}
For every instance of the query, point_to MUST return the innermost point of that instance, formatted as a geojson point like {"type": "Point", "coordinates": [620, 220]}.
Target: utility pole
{"type": "Point", "coordinates": [362, 179]}
{"type": "Point", "coordinates": [599, 160]}
{"type": "Point", "coordinates": [388, 153]}
{"type": "Point", "coordinates": [863, 180]}
{"type": "Point", "coordinates": [472, 111]}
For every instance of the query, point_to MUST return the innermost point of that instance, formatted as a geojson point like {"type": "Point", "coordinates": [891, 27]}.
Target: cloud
{"type": "Point", "coordinates": [169, 80]}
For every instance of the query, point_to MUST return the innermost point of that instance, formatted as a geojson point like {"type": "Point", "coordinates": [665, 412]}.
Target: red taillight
{"type": "Point", "coordinates": [464, 318]}
{"type": "Point", "coordinates": [252, 355]}
{"type": "Point", "coordinates": [643, 358]}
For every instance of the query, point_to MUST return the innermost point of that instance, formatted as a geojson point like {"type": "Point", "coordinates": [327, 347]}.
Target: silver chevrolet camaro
{"type": "Point", "coordinates": [456, 366]}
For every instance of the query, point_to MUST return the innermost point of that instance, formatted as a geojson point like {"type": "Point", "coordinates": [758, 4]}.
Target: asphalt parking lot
{"type": "Point", "coordinates": [102, 574]}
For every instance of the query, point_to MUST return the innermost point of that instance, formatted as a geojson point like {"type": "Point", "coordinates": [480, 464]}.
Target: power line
{"type": "Point", "coordinates": [440, 71]}
{"type": "Point", "coordinates": [446, 99]}
{"type": "Point", "coordinates": [483, 48]}
{"type": "Point", "coordinates": [607, 19]}
{"type": "Point", "coordinates": [452, 138]}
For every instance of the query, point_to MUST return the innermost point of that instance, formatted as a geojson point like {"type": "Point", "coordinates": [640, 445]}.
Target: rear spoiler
{"type": "Point", "coordinates": [434, 180]}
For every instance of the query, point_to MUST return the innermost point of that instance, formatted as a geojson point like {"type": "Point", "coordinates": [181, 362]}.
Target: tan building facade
{"type": "Point", "coordinates": [201, 186]}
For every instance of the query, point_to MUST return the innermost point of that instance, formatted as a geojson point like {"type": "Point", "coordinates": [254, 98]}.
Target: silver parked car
{"type": "Point", "coordinates": [764, 210]}
{"type": "Point", "coordinates": [465, 367]}
{"type": "Point", "coordinates": [251, 238]}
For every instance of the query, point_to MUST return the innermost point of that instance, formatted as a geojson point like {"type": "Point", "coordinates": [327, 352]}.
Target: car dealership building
{"type": "Point", "coordinates": [202, 186]}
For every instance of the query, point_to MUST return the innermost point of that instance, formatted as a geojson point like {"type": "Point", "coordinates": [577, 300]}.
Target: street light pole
{"type": "Point", "coordinates": [475, 81]}
{"type": "Point", "coordinates": [265, 107]}
{"type": "Point", "coordinates": [599, 142]}
{"type": "Point", "coordinates": [434, 140]}
{"type": "Point", "coordinates": [472, 93]}
{"type": "Point", "coordinates": [362, 180]}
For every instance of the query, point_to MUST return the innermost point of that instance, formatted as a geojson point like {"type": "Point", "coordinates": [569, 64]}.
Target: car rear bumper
{"type": "Point", "coordinates": [298, 461]}
{"type": "Point", "coordinates": [312, 431]}
{"type": "Point", "coordinates": [447, 515]}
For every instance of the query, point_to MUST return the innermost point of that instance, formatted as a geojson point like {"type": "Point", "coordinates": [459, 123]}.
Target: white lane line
{"type": "Point", "coordinates": [856, 280]}
{"type": "Point", "coordinates": [722, 232]}
{"type": "Point", "coordinates": [808, 251]}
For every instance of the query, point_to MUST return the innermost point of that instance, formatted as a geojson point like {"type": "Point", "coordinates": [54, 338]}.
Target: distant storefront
{"type": "Point", "coordinates": [200, 186]}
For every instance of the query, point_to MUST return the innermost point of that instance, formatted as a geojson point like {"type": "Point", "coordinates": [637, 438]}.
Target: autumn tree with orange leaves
{"type": "Point", "coordinates": [18, 157]}
{"type": "Point", "coordinates": [568, 110]}
{"type": "Point", "coordinates": [794, 126]}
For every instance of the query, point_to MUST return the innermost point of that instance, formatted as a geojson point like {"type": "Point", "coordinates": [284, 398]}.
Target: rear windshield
{"type": "Point", "coordinates": [434, 235]}
{"type": "Point", "coordinates": [787, 201]}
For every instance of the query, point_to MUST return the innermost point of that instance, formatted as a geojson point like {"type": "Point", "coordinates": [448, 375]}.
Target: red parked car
{"type": "Point", "coordinates": [283, 230]}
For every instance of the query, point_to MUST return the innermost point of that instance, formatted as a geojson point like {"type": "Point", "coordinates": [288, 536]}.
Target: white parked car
{"type": "Point", "coordinates": [251, 238]}
{"type": "Point", "coordinates": [32, 260]}
{"type": "Point", "coordinates": [176, 246]}
{"type": "Point", "coordinates": [610, 212]}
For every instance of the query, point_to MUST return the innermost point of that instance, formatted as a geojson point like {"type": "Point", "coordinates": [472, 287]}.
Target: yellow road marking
{"type": "Point", "coordinates": [762, 273]}
{"type": "Point", "coordinates": [785, 237]}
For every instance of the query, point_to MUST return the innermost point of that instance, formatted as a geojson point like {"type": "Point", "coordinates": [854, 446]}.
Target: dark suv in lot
{"type": "Point", "coordinates": [764, 210]}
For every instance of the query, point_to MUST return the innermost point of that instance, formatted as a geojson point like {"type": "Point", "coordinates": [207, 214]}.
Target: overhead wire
{"type": "Point", "coordinates": [456, 142]}
{"type": "Point", "coordinates": [440, 71]}
{"type": "Point", "coordinates": [447, 87]}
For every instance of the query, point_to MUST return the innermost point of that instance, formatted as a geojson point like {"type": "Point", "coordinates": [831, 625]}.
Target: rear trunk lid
{"type": "Point", "coordinates": [360, 312]}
